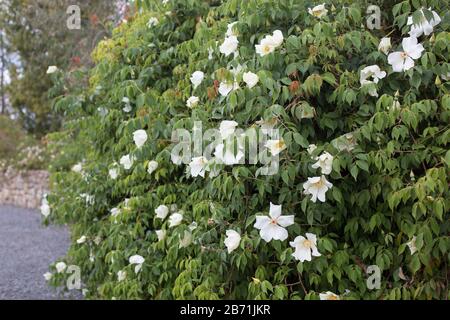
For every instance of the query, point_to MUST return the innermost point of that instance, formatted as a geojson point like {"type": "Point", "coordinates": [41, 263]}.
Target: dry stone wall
{"type": "Point", "coordinates": [23, 188]}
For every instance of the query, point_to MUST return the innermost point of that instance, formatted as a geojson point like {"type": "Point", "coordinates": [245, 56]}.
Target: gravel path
{"type": "Point", "coordinates": [26, 250]}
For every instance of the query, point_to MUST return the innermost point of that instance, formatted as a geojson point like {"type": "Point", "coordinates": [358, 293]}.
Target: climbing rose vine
{"type": "Point", "coordinates": [363, 160]}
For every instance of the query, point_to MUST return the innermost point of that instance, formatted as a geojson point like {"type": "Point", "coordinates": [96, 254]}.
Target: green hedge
{"type": "Point", "coordinates": [382, 142]}
{"type": "Point", "coordinates": [18, 149]}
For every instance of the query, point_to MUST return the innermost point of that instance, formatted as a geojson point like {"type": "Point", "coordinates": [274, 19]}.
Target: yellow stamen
{"type": "Point", "coordinates": [307, 243]}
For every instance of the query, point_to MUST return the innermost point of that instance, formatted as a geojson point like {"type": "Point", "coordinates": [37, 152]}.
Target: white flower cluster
{"type": "Point", "coordinates": [230, 151]}
{"type": "Point", "coordinates": [273, 227]}
{"type": "Point", "coordinates": [319, 185]}
{"type": "Point", "coordinates": [400, 60]}
{"type": "Point", "coordinates": [269, 43]}
{"type": "Point", "coordinates": [174, 220]}
{"type": "Point", "coordinates": [412, 49]}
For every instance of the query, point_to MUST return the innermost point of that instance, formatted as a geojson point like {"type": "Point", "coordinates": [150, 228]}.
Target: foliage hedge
{"type": "Point", "coordinates": [19, 149]}
{"type": "Point", "coordinates": [389, 187]}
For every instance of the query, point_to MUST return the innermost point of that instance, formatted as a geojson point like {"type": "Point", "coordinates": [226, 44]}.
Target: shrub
{"type": "Point", "coordinates": [18, 149]}
{"type": "Point", "coordinates": [383, 144]}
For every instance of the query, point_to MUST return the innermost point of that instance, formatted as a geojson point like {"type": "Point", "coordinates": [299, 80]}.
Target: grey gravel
{"type": "Point", "coordinates": [27, 248]}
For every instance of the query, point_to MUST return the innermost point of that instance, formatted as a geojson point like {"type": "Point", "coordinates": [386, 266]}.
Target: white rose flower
{"type": "Point", "coordinates": [45, 208]}
{"type": "Point", "coordinates": [162, 211]}
{"type": "Point", "coordinates": [226, 87]}
{"type": "Point", "coordinates": [140, 137]}
{"type": "Point", "coordinates": [230, 32]}
{"type": "Point", "coordinates": [232, 240]}
{"type": "Point", "coordinates": [324, 162]}
{"type": "Point", "coordinates": [305, 247]}
{"type": "Point", "coordinates": [48, 276]}
{"type": "Point", "coordinates": [127, 161]}
{"type": "Point", "coordinates": [138, 261]}
{"type": "Point", "coordinates": [269, 43]}
{"type": "Point", "coordinates": [161, 234]}
{"type": "Point", "coordinates": [175, 219]}
{"type": "Point", "coordinates": [229, 45]}
{"type": "Point", "coordinates": [318, 11]}
{"type": "Point", "coordinates": [275, 146]}
{"type": "Point", "coordinates": [197, 78]}
{"type": "Point", "coordinates": [374, 72]}
{"type": "Point", "coordinates": [276, 38]}
{"type": "Point", "coordinates": [273, 227]}
{"type": "Point", "coordinates": [412, 245]}
{"type": "Point", "coordinates": [60, 267]}
{"type": "Point", "coordinates": [186, 241]}
{"type": "Point", "coordinates": [127, 108]}
{"type": "Point", "coordinates": [317, 187]}
{"type": "Point", "coordinates": [192, 102]}
{"type": "Point", "coordinates": [311, 148]}
{"type": "Point", "coordinates": [113, 173]}
{"type": "Point", "coordinates": [77, 168]}
{"type": "Point", "coordinates": [329, 296]}
{"type": "Point", "coordinates": [197, 166]}
{"type": "Point", "coordinates": [121, 275]}
{"type": "Point", "coordinates": [227, 128]}
{"type": "Point", "coordinates": [115, 212]}
{"type": "Point", "coordinates": [152, 166]}
{"type": "Point", "coordinates": [52, 69]}
{"type": "Point", "coordinates": [250, 78]}
{"type": "Point", "coordinates": [385, 45]}
{"type": "Point", "coordinates": [82, 240]}
{"type": "Point", "coordinates": [265, 47]}
{"type": "Point", "coordinates": [152, 22]}
{"type": "Point", "coordinates": [424, 26]}
{"type": "Point", "coordinates": [404, 60]}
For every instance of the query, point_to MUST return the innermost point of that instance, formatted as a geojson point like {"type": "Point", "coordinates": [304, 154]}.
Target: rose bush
{"type": "Point", "coordinates": [364, 160]}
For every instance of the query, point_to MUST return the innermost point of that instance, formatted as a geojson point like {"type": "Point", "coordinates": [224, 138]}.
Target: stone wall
{"type": "Point", "coordinates": [23, 189]}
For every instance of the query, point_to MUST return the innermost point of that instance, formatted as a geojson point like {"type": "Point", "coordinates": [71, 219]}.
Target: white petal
{"type": "Point", "coordinates": [409, 63]}
{"type": "Point", "coordinates": [315, 252]}
{"type": "Point", "coordinates": [275, 210]}
{"type": "Point", "coordinates": [312, 237]}
{"type": "Point", "coordinates": [261, 222]}
{"type": "Point", "coordinates": [416, 52]}
{"type": "Point", "coordinates": [286, 221]}
{"type": "Point", "coordinates": [302, 254]}
{"type": "Point", "coordinates": [321, 194]}
{"type": "Point", "coordinates": [275, 232]}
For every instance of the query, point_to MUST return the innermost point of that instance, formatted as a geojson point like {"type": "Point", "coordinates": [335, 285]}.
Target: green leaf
{"type": "Point", "coordinates": [300, 140]}
{"type": "Point", "coordinates": [354, 172]}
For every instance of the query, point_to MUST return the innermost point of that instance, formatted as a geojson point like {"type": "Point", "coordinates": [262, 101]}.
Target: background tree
{"type": "Point", "coordinates": [37, 33]}
{"type": "Point", "coordinates": [2, 74]}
